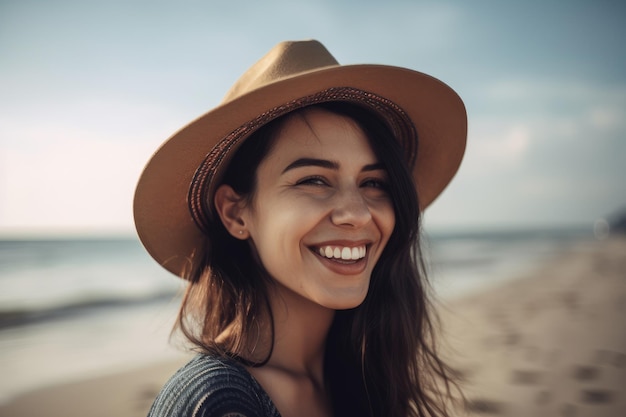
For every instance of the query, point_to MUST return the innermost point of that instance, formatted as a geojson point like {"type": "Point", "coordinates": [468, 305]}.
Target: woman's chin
{"type": "Point", "coordinates": [344, 303]}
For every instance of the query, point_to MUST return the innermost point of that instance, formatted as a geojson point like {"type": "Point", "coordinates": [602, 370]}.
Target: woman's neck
{"type": "Point", "coordinates": [300, 331]}
{"type": "Point", "coordinates": [294, 374]}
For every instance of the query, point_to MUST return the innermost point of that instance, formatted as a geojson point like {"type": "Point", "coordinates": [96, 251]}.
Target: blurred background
{"type": "Point", "coordinates": [88, 90]}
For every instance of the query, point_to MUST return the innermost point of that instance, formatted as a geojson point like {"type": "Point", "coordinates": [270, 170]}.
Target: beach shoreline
{"type": "Point", "coordinates": [550, 343]}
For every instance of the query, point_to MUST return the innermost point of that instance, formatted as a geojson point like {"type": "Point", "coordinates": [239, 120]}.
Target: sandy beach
{"type": "Point", "coordinates": [552, 343]}
{"type": "Point", "coordinates": [549, 344]}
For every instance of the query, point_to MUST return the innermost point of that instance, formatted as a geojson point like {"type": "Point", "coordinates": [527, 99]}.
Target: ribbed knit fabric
{"type": "Point", "coordinates": [210, 386]}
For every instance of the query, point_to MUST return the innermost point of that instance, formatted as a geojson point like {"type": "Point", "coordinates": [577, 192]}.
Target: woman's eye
{"type": "Point", "coordinates": [375, 183]}
{"type": "Point", "coordinates": [312, 181]}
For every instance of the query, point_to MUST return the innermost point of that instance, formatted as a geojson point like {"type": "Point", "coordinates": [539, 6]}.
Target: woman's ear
{"type": "Point", "coordinates": [230, 206]}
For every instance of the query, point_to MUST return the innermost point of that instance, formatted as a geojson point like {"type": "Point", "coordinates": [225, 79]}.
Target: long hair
{"type": "Point", "coordinates": [381, 357]}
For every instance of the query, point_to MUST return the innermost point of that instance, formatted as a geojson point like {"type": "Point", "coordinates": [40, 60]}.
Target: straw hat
{"type": "Point", "coordinates": [173, 198]}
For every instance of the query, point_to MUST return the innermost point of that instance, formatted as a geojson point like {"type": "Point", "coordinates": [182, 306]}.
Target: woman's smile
{"type": "Point", "coordinates": [343, 260]}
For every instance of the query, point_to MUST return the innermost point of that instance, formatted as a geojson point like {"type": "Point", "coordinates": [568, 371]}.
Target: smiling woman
{"type": "Point", "coordinates": [297, 227]}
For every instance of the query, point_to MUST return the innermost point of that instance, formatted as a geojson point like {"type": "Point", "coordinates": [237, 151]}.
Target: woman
{"type": "Point", "coordinates": [293, 210]}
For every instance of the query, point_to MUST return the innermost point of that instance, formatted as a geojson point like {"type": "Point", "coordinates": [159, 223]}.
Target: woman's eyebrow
{"type": "Point", "coordinates": [323, 163]}
{"type": "Point", "coordinates": [304, 162]}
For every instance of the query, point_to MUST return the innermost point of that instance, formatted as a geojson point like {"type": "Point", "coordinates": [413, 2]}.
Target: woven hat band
{"type": "Point", "coordinates": [206, 177]}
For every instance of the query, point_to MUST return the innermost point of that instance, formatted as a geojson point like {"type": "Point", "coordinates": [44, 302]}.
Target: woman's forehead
{"type": "Point", "coordinates": [316, 132]}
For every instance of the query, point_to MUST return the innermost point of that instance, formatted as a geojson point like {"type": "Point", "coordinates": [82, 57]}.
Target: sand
{"type": "Point", "coordinates": [549, 344]}
{"type": "Point", "coordinates": [552, 343]}
{"type": "Point", "coordinates": [122, 395]}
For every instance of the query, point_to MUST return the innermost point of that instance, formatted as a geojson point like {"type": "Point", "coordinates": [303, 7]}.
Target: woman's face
{"type": "Point", "coordinates": [320, 215]}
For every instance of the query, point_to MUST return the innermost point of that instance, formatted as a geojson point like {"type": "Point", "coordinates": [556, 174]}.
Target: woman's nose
{"type": "Point", "coordinates": [351, 209]}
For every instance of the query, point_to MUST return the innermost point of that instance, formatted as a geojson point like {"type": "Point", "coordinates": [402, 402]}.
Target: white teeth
{"type": "Point", "coordinates": [344, 252]}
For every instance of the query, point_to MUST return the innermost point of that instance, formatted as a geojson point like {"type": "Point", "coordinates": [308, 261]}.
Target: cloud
{"type": "Point", "coordinates": [608, 118]}
{"type": "Point", "coordinates": [75, 166]}
{"type": "Point", "coordinates": [540, 151]}
{"type": "Point", "coordinates": [494, 146]}
{"type": "Point", "coordinates": [538, 91]}
{"type": "Point", "coordinates": [72, 183]}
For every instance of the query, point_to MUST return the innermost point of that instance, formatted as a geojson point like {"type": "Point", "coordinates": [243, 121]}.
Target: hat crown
{"type": "Point", "coordinates": [285, 60]}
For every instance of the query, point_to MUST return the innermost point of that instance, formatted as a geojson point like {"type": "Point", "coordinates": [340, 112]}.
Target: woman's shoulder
{"type": "Point", "coordinates": [211, 386]}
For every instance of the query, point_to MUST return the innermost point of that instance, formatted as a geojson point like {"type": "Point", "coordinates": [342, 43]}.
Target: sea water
{"type": "Point", "coordinates": [71, 309]}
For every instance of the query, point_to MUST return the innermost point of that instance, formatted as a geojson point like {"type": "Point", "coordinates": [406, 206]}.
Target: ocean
{"type": "Point", "coordinates": [71, 309]}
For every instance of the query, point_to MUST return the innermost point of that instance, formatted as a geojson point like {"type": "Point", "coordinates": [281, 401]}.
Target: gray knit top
{"type": "Point", "coordinates": [210, 386]}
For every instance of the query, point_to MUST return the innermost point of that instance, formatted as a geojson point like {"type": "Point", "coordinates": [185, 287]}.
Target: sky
{"type": "Point", "coordinates": [89, 89]}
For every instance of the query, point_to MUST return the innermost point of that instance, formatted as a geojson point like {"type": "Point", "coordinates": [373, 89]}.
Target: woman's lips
{"type": "Point", "coordinates": [344, 260]}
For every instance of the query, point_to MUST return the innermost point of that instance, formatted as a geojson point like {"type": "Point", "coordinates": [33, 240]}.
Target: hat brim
{"type": "Point", "coordinates": [162, 217]}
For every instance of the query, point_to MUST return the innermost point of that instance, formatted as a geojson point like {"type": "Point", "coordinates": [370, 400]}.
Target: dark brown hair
{"type": "Point", "coordinates": [381, 357]}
